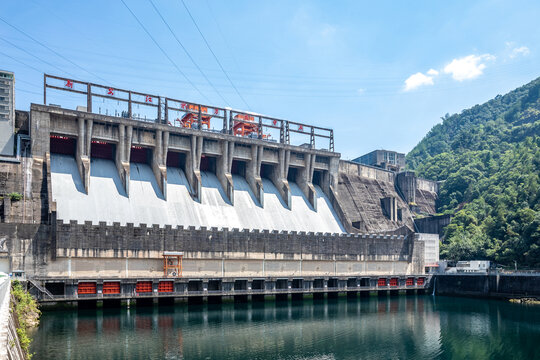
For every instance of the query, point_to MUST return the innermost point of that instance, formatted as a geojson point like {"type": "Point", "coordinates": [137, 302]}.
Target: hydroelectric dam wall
{"type": "Point", "coordinates": [105, 196]}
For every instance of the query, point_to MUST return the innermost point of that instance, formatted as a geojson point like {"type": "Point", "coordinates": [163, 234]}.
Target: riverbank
{"type": "Point", "coordinates": [18, 314]}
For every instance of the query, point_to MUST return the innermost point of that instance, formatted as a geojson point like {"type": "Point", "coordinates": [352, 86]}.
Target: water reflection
{"type": "Point", "coordinates": [416, 327]}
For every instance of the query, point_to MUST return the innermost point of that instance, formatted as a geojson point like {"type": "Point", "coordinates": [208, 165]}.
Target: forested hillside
{"type": "Point", "coordinates": [489, 159]}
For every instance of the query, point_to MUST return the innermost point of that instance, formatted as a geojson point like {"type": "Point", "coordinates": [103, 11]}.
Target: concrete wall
{"type": "Point", "coordinates": [420, 194]}
{"type": "Point", "coordinates": [106, 268]}
{"type": "Point", "coordinates": [366, 171]}
{"type": "Point", "coordinates": [88, 240]}
{"type": "Point", "coordinates": [28, 178]}
{"type": "Point", "coordinates": [74, 250]}
{"type": "Point", "coordinates": [359, 199]}
{"type": "Point", "coordinates": [431, 247]}
{"type": "Point", "coordinates": [433, 224]}
{"type": "Point", "coordinates": [493, 285]}
{"type": "Point", "coordinates": [428, 185]}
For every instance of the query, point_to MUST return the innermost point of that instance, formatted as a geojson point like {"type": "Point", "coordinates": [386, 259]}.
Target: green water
{"type": "Point", "coordinates": [404, 327]}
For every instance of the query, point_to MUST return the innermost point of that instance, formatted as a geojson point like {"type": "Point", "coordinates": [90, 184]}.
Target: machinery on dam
{"type": "Point", "coordinates": [249, 201]}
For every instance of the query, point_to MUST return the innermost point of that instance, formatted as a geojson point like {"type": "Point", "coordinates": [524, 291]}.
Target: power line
{"type": "Point", "coordinates": [28, 91]}
{"type": "Point", "coordinates": [20, 62]}
{"type": "Point", "coordinates": [51, 50]}
{"type": "Point", "coordinates": [188, 54]}
{"type": "Point", "coordinates": [163, 51]}
{"type": "Point", "coordinates": [222, 35]}
{"type": "Point", "coordinates": [19, 80]}
{"type": "Point", "coordinates": [37, 57]}
{"type": "Point", "coordinates": [215, 57]}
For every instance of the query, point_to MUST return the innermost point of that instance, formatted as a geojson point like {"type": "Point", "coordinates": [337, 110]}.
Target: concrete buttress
{"type": "Point", "coordinates": [279, 176]}
{"type": "Point", "coordinates": [193, 166]}
{"type": "Point", "coordinates": [159, 161]}
{"type": "Point", "coordinates": [304, 180]}
{"type": "Point", "coordinates": [84, 142]}
{"type": "Point", "coordinates": [223, 173]}
{"type": "Point", "coordinates": [253, 172]}
{"type": "Point", "coordinates": [123, 152]}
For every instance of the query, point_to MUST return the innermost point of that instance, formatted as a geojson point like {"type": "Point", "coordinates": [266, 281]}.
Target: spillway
{"type": "Point", "coordinates": [107, 200]}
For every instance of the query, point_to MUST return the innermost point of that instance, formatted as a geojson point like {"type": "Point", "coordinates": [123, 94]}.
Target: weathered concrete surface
{"type": "Point", "coordinates": [29, 178]}
{"type": "Point", "coordinates": [74, 250]}
{"type": "Point", "coordinates": [77, 240]}
{"type": "Point", "coordinates": [432, 224]}
{"type": "Point", "coordinates": [30, 246]}
{"type": "Point", "coordinates": [420, 194]}
{"type": "Point", "coordinates": [493, 285]}
{"type": "Point", "coordinates": [106, 268]}
{"type": "Point", "coordinates": [360, 198]}
{"type": "Point", "coordinates": [213, 252]}
{"type": "Point", "coordinates": [431, 247]}
{"type": "Point", "coordinates": [425, 202]}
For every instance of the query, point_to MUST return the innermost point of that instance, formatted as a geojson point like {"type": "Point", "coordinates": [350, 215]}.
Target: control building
{"type": "Point", "coordinates": [385, 159]}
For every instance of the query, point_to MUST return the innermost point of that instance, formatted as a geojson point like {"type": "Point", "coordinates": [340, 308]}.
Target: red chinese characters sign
{"type": "Point", "coordinates": [192, 107]}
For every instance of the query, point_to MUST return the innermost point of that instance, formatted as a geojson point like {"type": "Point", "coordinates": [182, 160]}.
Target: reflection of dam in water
{"type": "Point", "coordinates": [107, 200]}
{"type": "Point", "coordinates": [421, 326]}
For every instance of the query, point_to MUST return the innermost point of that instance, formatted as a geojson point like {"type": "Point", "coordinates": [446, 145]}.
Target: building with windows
{"type": "Point", "coordinates": [389, 160]}
{"type": "Point", "coordinates": [7, 113]}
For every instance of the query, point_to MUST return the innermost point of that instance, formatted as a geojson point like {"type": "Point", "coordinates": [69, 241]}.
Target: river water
{"type": "Point", "coordinates": [403, 327]}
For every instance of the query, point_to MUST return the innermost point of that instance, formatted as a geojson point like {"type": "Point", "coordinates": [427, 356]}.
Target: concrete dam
{"type": "Point", "coordinates": [195, 200]}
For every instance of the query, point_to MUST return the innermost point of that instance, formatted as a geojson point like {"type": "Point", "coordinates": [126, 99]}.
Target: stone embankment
{"type": "Point", "coordinates": [518, 285]}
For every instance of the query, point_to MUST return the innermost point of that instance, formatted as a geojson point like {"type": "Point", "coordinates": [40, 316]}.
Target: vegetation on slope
{"type": "Point", "coordinates": [489, 159]}
{"type": "Point", "coordinates": [27, 315]}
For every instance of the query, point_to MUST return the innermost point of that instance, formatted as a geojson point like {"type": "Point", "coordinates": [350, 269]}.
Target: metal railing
{"type": "Point", "coordinates": [91, 91]}
{"type": "Point", "coordinates": [191, 115]}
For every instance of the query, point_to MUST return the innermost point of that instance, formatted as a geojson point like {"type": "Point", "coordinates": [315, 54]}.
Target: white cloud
{"type": "Point", "coordinates": [468, 67]}
{"type": "Point", "coordinates": [433, 72]}
{"type": "Point", "coordinates": [519, 51]}
{"type": "Point", "coordinates": [416, 80]}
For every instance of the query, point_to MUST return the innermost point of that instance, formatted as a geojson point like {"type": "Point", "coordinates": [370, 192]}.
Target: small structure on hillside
{"type": "Point", "coordinates": [385, 159]}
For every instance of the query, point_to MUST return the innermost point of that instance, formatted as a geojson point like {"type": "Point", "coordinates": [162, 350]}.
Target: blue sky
{"type": "Point", "coordinates": [381, 74]}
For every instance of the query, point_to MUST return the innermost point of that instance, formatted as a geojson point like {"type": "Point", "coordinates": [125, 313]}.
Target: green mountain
{"type": "Point", "coordinates": [489, 159]}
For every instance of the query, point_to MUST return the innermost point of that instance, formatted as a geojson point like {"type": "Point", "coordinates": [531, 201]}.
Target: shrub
{"type": "Point", "coordinates": [26, 310]}
{"type": "Point", "coordinates": [15, 196]}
